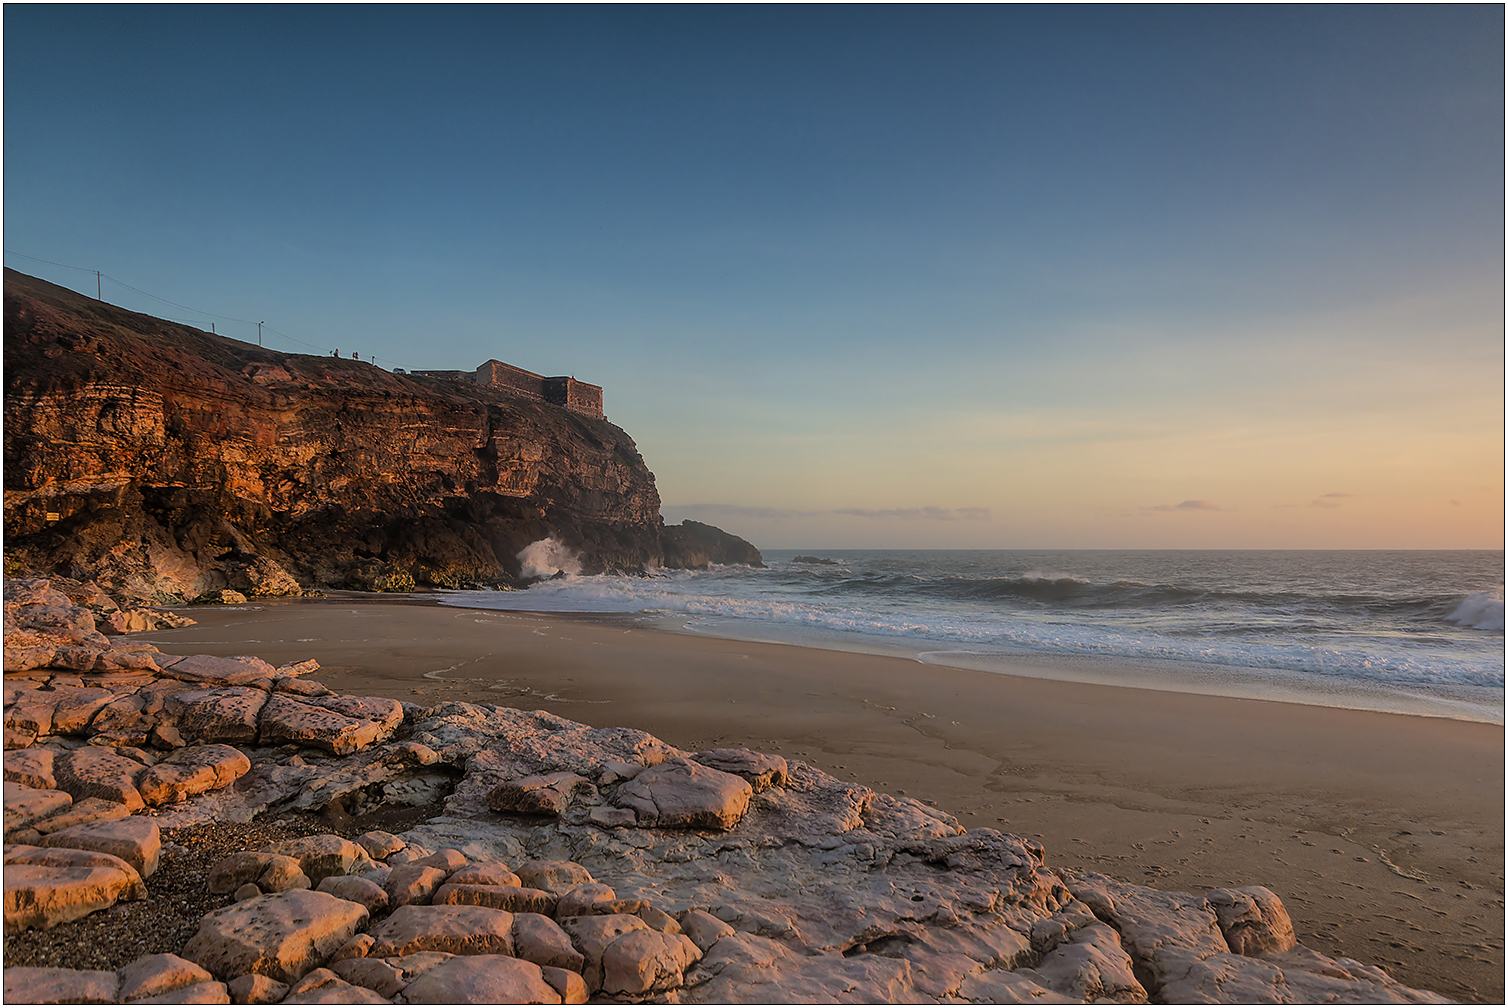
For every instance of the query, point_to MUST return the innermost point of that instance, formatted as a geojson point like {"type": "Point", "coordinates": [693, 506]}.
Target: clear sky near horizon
{"type": "Point", "coordinates": [862, 277]}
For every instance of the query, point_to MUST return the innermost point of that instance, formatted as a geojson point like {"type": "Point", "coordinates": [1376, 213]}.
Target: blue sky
{"type": "Point", "coordinates": [1048, 272]}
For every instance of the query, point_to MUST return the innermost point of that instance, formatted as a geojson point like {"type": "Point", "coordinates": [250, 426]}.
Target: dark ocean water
{"type": "Point", "coordinates": [1409, 630]}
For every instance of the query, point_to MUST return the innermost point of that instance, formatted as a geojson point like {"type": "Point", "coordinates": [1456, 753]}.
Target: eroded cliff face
{"type": "Point", "coordinates": [163, 461]}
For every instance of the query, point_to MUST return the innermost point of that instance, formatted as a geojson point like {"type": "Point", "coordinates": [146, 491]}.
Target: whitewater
{"type": "Point", "coordinates": [1405, 631]}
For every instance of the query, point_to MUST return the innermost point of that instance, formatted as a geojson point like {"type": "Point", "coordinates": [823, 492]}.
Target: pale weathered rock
{"type": "Point", "coordinates": [1091, 965]}
{"type": "Point", "coordinates": [207, 992]}
{"type": "Point", "coordinates": [282, 936]}
{"type": "Point", "coordinates": [541, 941]}
{"type": "Point", "coordinates": [659, 920]}
{"type": "Point", "coordinates": [374, 974]}
{"type": "Point", "coordinates": [98, 772]}
{"type": "Point", "coordinates": [703, 929]}
{"type": "Point", "coordinates": [226, 714]}
{"type": "Point", "coordinates": [135, 840]}
{"type": "Point", "coordinates": [611, 818]}
{"type": "Point", "coordinates": [681, 794]}
{"type": "Point", "coordinates": [65, 857]}
{"type": "Point", "coordinates": [25, 805]}
{"type": "Point", "coordinates": [379, 844]}
{"type": "Point", "coordinates": [192, 771]}
{"type": "Point", "coordinates": [254, 988]}
{"type": "Point", "coordinates": [481, 979]}
{"type": "Point", "coordinates": [1010, 987]}
{"type": "Point", "coordinates": [152, 975]}
{"type": "Point", "coordinates": [575, 902]}
{"type": "Point", "coordinates": [1165, 933]}
{"type": "Point", "coordinates": [385, 713]}
{"type": "Point", "coordinates": [492, 873]}
{"type": "Point", "coordinates": [48, 985]}
{"type": "Point", "coordinates": [547, 794]}
{"type": "Point", "coordinates": [750, 969]}
{"type": "Point", "coordinates": [418, 752]}
{"type": "Point", "coordinates": [31, 767]}
{"type": "Point", "coordinates": [356, 889]}
{"type": "Point", "coordinates": [567, 983]}
{"type": "Point", "coordinates": [558, 877]}
{"type": "Point", "coordinates": [1253, 921]}
{"type": "Point", "coordinates": [284, 719]}
{"type": "Point", "coordinates": [324, 986]}
{"type": "Point", "coordinates": [761, 770]}
{"type": "Point", "coordinates": [645, 962]}
{"type": "Point", "coordinates": [1298, 976]}
{"type": "Point", "coordinates": [511, 898]}
{"type": "Point", "coordinates": [321, 856]}
{"type": "Point", "coordinates": [87, 810]}
{"type": "Point", "coordinates": [413, 884]}
{"type": "Point", "coordinates": [461, 930]}
{"type": "Point", "coordinates": [271, 872]}
{"type": "Point", "coordinates": [448, 860]}
{"type": "Point", "coordinates": [417, 963]}
{"type": "Point", "coordinates": [42, 896]}
{"type": "Point", "coordinates": [356, 948]}
{"type": "Point", "coordinates": [593, 935]}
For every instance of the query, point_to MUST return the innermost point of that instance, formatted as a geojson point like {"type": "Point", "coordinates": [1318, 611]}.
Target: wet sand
{"type": "Point", "coordinates": [1383, 833]}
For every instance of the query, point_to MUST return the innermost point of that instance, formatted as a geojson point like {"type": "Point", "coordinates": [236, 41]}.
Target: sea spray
{"type": "Point", "coordinates": [548, 557]}
{"type": "Point", "coordinates": [1482, 610]}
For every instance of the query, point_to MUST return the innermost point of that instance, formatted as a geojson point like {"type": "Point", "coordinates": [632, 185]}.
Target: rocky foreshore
{"type": "Point", "coordinates": [548, 862]}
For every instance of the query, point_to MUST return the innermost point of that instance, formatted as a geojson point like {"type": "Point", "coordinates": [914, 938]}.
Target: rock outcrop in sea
{"type": "Point", "coordinates": [561, 863]}
{"type": "Point", "coordinates": [164, 462]}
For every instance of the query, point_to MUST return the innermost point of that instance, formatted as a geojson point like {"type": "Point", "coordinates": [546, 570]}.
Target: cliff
{"type": "Point", "coordinates": [163, 462]}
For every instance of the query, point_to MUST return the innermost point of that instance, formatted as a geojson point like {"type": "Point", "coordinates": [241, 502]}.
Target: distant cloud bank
{"type": "Point", "coordinates": [979, 514]}
{"type": "Point", "coordinates": [1188, 505]}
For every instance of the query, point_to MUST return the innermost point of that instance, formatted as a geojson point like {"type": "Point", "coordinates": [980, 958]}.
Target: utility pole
{"type": "Point", "coordinates": [212, 329]}
{"type": "Point", "coordinates": [259, 333]}
{"type": "Point", "coordinates": [99, 287]}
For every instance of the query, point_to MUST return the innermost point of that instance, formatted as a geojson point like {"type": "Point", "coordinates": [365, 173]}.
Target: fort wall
{"type": "Point", "coordinates": [576, 396]}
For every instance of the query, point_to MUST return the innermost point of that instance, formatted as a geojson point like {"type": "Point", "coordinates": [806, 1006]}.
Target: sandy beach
{"type": "Point", "coordinates": [1382, 833]}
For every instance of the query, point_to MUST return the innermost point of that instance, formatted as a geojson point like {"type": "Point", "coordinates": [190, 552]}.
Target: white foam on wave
{"type": "Point", "coordinates": [1034, 576]}
{"type": "Point", "coordinates": [547, 557]}
{"type": "Point", "coordinates": [1482, 610]}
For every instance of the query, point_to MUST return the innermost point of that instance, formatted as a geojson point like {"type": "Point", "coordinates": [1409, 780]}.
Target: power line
{"type": "Point", "coordinates": [175, 304]}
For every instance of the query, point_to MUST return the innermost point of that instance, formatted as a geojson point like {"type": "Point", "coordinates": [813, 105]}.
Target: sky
{"type": "Point", "coordinates": [852, 277]}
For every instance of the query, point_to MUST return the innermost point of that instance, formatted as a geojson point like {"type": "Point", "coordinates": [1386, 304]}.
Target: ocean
{"type": "Point", "coordinates": [1412, 631]}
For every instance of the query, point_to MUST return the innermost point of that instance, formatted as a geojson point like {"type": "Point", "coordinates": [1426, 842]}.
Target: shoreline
{"type": "Point", "coordinates": [1358, 820]}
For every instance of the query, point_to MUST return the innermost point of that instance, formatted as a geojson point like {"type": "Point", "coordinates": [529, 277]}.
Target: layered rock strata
{"type": "Point", "coordinates": [567, 863]}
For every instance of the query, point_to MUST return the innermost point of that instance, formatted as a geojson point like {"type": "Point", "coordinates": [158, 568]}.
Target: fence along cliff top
{"type": "Point", "coordinates": [579, 397]}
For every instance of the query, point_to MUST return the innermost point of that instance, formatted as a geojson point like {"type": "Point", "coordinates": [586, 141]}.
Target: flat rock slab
{"type": "Point", "coordinates": [66, 857]}
{"type": "Point", "coordinates": [208, 992]}
{"type": "Point", "coordinates": [87, 810]}
{"type": "Point", "coordinates": [356, 889]}
{"type": "Point", "coordinates": [287, 720]}
{"type": "Point", "coordinates": [135, 840]}
{"type": "Point", "coordinates": [761, 770]}
{"type": "Point", "coordinates": [282, 936]}
{"type": "Point", "coordinates": [46, 985]}
{"type": "Point", "coordinates": [324, 986]}
{"type": "Point", "coordinates": [682, 794]}
{"type": "Point", "coordinates": [514, 899]}
{"type": "Point", "coordinates": [99, 772]}
{"type": "Point", "coordinates": [152, 975]}
{"type": "Point", "coordinates": [461, 930]}
{"type": "Point", "coordinates": [482, 979]}
{"type": "Point", "coordinates": [41, 896]}
{"type": "Point", "coordinates": [190, 771]}
{"type": "Point", "coordinates": [491, 873]}
{"type": "Point", "coordinates": [26, 805]}
{"type": "Point", "coordinates": [558, 877]}
{"type": "Point", "coordinates": [31, 767]}
{"type": "Point", "coordinates": [549, 794]}
{"type": "Point", "coordinates": [224, 714]}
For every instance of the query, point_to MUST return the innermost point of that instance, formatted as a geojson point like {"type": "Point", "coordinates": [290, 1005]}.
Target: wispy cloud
{"type": "Point", "coordinates": [1338, 495]}
{"type": "Point", "coordinates": [1456, 503]}
{"type": "Point", "coordinates": [1188, 505]}
{"type": "Point", "coordinates": [980, 514]}
{"type": "Point", "coordinates": [1327, 500]}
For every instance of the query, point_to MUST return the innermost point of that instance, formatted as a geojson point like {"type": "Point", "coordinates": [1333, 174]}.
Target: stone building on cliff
{"type": "Point", "coordinates": [576, 396]}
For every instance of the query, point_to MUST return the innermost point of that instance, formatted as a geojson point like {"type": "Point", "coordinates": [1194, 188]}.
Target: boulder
{"type": "Point", "coordinates": [541, 941]}
{"type": "Point", "coordinates": [703, 929]}
{"type": "Point", "coordinates": [1253, 921]}
{"type": "Point", "coordinates": [460, 930]}
{"type": "Point", "coordinates": [324, 986]}
{"type": "Point", "coordinates": [491, 873]}
{"type": "Point", "coordinates": [26, 805]}
{"type": "Point", "coordinates": [761, 770]}
{"type": "Point", "coordinates": [448, 860]}
{"type": "Point", "coordinates": [270, 872]}
{"type": "Point", "coordinates": [64, 857]}
{"type": "Point", "coordinates": [190, 771]}
{"type": "Point", "coordinates": [557, 877]}
{"type": "Point", "coordinates": [320, 856]}
{"type": "Point", "coordinates": [646, 962]}
{"type": "Point", "coordinates": [567, 983]}
{"type": "Point", "coordinates": [514, 899]}
{"type": "Point", "coordinates": [549, 794]}
{"type": "Point", "coordinates": [575, 902]}
{"type": "Point", "coordinates": [681, 794]}
{"type": "Point", "coordinates": [282, 936]}
{"type": "Point", "coordinates": [287, 720]}
{"type": "Point", "coordinates": [226, 714]}
{"type": "Point", "coordinates": [593, 935]}
{"type": "Point", "coordinates": [254, 988]}
{"type": "Point", "coordinates": [356, 889]}
{"type": "Point", "coordinates": [380, 845]}
{"type": "Point", "coordinates": [481, 979]}
{"type": "Point", "coordinates": [413, 884]}
{"type": "Point", "coordinates": [41, 896]}
{"type": "Point", "coordinates": [208, 992]}
{"type": "Point", "coordinates": [135, 840]}
{"type": "Point", "coordinates": [88, 810]}
{"type": "Point", "coordinates": [98, 772]}
{"type": "Point", "coordinates": [48, 985]}
{"type": "Point", "coordinates": [152, 975]}
{"type": "Point", "coordinates": [374, 974]}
